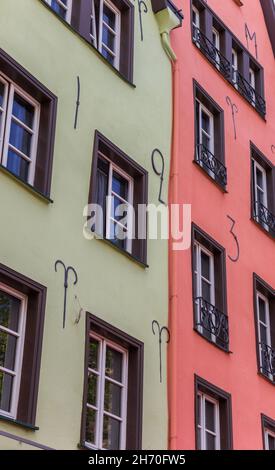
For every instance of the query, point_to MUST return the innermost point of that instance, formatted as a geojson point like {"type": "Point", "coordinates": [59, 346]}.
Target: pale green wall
{"type": "Point", "coordinates": [33, 234]}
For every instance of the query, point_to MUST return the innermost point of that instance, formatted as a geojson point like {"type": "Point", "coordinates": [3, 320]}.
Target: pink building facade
{"type": "Point", "coordinates": [222, 301]}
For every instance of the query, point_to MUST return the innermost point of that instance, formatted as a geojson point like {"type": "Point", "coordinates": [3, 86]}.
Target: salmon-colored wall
{"type": "Point", "coordinates": [235, 373]}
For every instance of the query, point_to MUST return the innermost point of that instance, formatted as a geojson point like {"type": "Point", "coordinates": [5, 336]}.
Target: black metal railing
{"type": "Point", "coordinates": [212, 322]}
{"type": "Point", "coordinates": [248, 92]}
{"type": "Point", "coordinates": [267, 354]}
{"type": "Point", "coordinates": [212, 53]}
{"type": "Point", "coordinates": [233, 76]}
{"type": "Point", "coordinates": [263, 215]}
{"type": "Point", "coordinates": [214, 167]}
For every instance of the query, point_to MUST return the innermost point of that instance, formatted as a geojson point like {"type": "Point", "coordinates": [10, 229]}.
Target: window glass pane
{"type": "Point", "coordinates": [263, 332]}
{"type": "Point", "coordinates": [205, 265]}
{"type": "Point", "coordinates": [119, 210]}
{"type": "Point", "coordinates": [118, 235]}
{"type": "Point", "coordinates": [2, 91]}
{"type": "Point", "coordinates": [9, 311]}
{"type": "Point", "coordinates": [93, 353]}
{"type": "Point", "coordinates": [90, 425]}
{"type": "Point", "coordinates": [259, 176]}
{"type": "Point", "coordinates": [114, 362]}
{"type": "Point", "coordinates": [23, 110]}
{"type": "Point", "coordinates": [210, 441]}
{"type": "Point", "coordinates": [111, 433]}
{"type": "Point", "coordinates": [210, 416]}
{"type": "Point", "coordinates": [205, 141]}
{"type": "Point", "coordinates": [92, 389]}
{"type": "Point", "coordinates": [260, 196]}
{"type": "Point", "coordinates": [261, 304]}
{"type": "Point", "coordinates": [58, 8]}
{"type": "Point", "coordinates": [199, 431]}
{"type": "Point", "coordinates": [109, 17]}
{"type": "Point", "coordinates": [108, 56]}
{"type": "Point", "coordinates": [205, 122]}
{"type": "Point", "coordinates": [120, 185]}
{"type": "Point", "coordinates": [112, 398]}
{"type": "Point", "coordinates": [271, 442]}
{"type": "Point", "coordinates": [206, 291]}
{"type": "Point", "coordinates": [7, 350]}
{"type": "Point", "coordinates": [198, 122]}
{"type": "Point", "coordinates": [18, 165]}
{"type": "Point", "coordinates": [108, 38]}
{"type": "Point", "coordinates": [6, 383]}
{"type": "Point", "coordinates": [20, 138]}
{"type": "Point", "coordinates": [199, 409]}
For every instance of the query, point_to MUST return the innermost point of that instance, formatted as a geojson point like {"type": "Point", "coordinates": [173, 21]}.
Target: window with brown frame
{"type": "Point", "coordinates": [268, 429]}
{"type": "Point", "coordinates": [209, 136]}
{"type": "Point", "coordinates": [209, 289]}
{"type": "Point", "coordinates": [112, 399]}
{"type": "Point", "coordinates": [108, 25]}
{"type": "Point", "coordinates": [262, 190]}
{"type": "Point", "coordinates": [264, 311]}
{"type": "Point", "coordinates": [119, 188]}
{"type": "Point", "coordinates": [22, 310]}
{"type": "Point", "coordinates": [27, 126]}
{"type": "Point", "coordinates": [213, 417]}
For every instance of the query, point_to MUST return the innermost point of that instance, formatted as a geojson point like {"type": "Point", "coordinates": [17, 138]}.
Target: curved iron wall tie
{"type": "Point", "coordinates": [234, 110]}
{"type": "Point", "coordinates": [66, 277]}
{"type": "Point", "coordinates": [141, 4]}
{"type": "Point", "coordinates": [158, 173]}
{"type": "Point", "coordinates": [236, 240]}
{"type": "Point", "coordinates": [160, 333]}
{"type": "Point", "coordinates": [252, 37]}
{"type": "Point", "coordinates": [77, 102]}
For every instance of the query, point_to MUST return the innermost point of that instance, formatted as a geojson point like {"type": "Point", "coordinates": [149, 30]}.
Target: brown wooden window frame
{"type": "Point", "coordinates": [140, 193]}
{"type": "Point", "coordinates": [135, 350]}
{"type": "Point", "coordinates": [259, 285]}
{"type": "Point", "coordinates": [225, 408]}
{"type": "Point", "coordinates": [30, 371]}
{"type": "Point", "coordinates": [47, 123]}
{"type": "Point", "coordinates": [268, 424]}
{"type": "Point", "coordinates": [219, 254]}
{"type": "Point", "coordinates": [219, 145]}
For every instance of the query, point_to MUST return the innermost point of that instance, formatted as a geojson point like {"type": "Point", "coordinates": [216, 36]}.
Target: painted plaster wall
{"type": "Point", "coordinates": [237, 372]}
{"type": "Point", "coordinates": [34, 235]}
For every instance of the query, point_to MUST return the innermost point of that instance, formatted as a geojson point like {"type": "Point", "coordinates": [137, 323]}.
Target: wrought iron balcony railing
{"type": "Point", "coordinates": [248, 92]}
{"type": "Point", "coordinates": [267, 360]}
{"type": "Point", "coordinates": [223, 65]}
{"type": "Point", "coordinates": [213, 322]}
{"type": "Point", "coordinates": [211, 52]}
{"type": "Point", "coordinates": [263, 215]}
{"type": "Point", "coordinates": [212, 165]}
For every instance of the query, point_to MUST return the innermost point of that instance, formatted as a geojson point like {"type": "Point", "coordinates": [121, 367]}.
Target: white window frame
{"type": "Point", "coordinates": [266, 325]}
{"type": "Point", "coordinates": [235, 67]}
{"type": "Point", "coordinates": [99, 408]}
{"type": "Point", "coordinates": [263, 190]}
{"type": "Point", "coordinates": [20, 335]}
{"type": "Point", "coordinates": [204, 109]}
{"type": "Point", "coordinates": [199, 278]}
{"type": "Point", "coordinates": [116, 32]}
{"type": "Point", "coordinates": [93, 21]}
{"type": "Point", "coordinates": [196, 24]}
{"type": "Point", "coordinates": [252, 82]}
{"type": "Point", "coordinates": [67, 8]}
{"type": "Point", "coordinates": [267, 433]}
{"type": "Point", "coordinates": [110, 193]}
{"type": "Point", "coordinates": [216, 34]}
{"type": "Point", "coordinates": [3, 112]}
{"type": "Point", "coordinates": [12, 90]}
{"type": "Point", "coordinates": [203, 397]}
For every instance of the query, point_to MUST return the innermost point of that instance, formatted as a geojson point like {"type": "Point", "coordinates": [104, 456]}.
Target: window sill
{"type": "Point", "coordinates": [68, 25]}
{"type": "Point", "coordinates": [133, 258]}
{"type": "Point", "coordinates": [27, 186]}
{"type": "Point", "coordinates": [261, 227]}
{"type": "Point", "coordinates": [220, 186]}
{"type": "Point", "coordinates": [225, 350]}
{"type": "Point", "coordinates": [31, 427]}
{"type": "Point", "coordinates": [263, 376]}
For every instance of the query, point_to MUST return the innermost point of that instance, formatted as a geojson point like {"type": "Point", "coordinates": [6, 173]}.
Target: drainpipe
{"type": "Point", "coordinates": [169, 18]}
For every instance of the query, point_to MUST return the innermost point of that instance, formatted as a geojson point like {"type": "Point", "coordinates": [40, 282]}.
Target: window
{"type": "Point", "coordinates": [106, 25]}
{"type": "Point", "coordinates": [27, 124]}
{"type": "Point", "coordinates": [22, 308]}
{"type": "Point", "coordinates": [62, 8]}
{"type": "Point", "coordinates": [213, 417]}
{"type": "Point", "coordinates": [216, 44]}
{"type": "Point", "coordinates": [263, 201]}
{"type": "Point", "coordinates": [119, 187]}
{"type": "Point", "coordinates": [235, 67]}
{"type": "Point", "coordinates": [195, 22]}
{"type": "Point", "coordinates": [209, 136]}
{"type": "Point", "coordinates": [252, 82]}
{"type": "Point", "coordinates": [209, 287]}
{"type": "Point", "coordinates": [112, 411]}
{"type": "Point", "coordinates": [265, 327]}
{"type": "Point", "coordinates": [268, 426]}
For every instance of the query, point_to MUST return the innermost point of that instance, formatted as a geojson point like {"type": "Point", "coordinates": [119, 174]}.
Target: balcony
{"type": "Point", "coordinates": [267, 361]}
{"type": "Point", "coordinates": [264, 217]}
{"type": "Point", "coordinates": [211, 165]}
{"type": "Point", "coordinates": [223, 65]}
{"type": "Point", "coordinates": [212, 323]}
